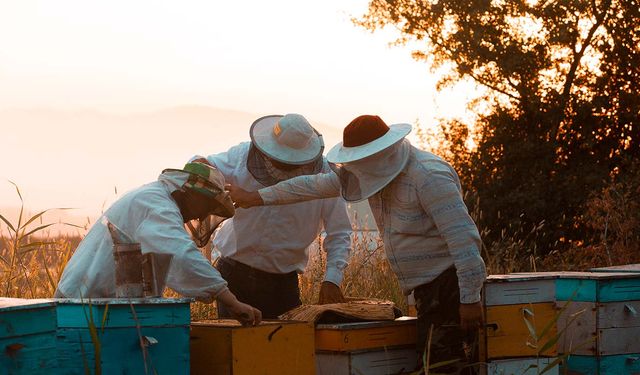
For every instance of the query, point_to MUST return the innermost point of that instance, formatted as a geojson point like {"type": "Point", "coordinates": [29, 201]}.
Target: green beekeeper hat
{"type": "Point", "coordinates": [207, 180]}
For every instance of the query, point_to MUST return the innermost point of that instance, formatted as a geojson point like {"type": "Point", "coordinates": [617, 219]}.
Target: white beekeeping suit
{"type": "Point", "coordinates": [150, 216]}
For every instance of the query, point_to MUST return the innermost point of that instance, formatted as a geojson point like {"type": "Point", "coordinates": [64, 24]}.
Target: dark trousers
{"type": "Point", "coordinates": [437, 303]}
{"type": "Point", "coordinates": [271, 293]}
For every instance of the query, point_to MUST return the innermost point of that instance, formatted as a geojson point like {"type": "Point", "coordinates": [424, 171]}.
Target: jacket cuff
{"type": "Point", "coordinates": [469, 296]}
{"type": "Point", "coordinates": [333, 275]}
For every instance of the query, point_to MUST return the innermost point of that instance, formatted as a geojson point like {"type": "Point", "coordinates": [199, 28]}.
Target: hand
{"type": "Point", "coordinates": [330, 293]}
{"type": "Point", "coordinates": [471, 316]}
{"type": "Point", "coordinates": [243, 198]}
{"type": "Point", "coordinates": [245, 314]}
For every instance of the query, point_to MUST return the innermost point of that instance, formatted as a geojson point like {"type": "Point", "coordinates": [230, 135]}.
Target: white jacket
{"type": "Point", "coordinates": [275, 239]}
{"type": "Point", "coordinates": [149, 216]}
{"type": "Point", "coordinates": [421, 216]}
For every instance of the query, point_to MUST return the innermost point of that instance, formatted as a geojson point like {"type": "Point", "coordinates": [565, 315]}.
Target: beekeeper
{"type": "Point", "coordinates": [154, 216]}
{"type": "Point", "coordinates": [263, 249]}
{"type": "Point", "coordinates": [431, 242]}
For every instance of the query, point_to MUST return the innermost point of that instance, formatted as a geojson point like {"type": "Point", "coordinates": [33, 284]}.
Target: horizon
{"type": "Point", "coordinates": [97, 97]}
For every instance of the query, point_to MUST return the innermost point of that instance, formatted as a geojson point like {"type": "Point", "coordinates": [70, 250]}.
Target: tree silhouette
{"type": "Point", "coordinates": [563, 92]}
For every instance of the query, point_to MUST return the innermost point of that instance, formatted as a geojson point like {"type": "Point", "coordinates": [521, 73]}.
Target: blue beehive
{"type": "Point", "coordinates": [604, 311]}
{"type": "Point", "coordinates": [27, 336]}
{"type": "Point", "coordinates": [123, 336]}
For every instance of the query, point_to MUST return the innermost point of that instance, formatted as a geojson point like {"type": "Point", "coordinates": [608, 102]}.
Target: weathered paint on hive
{"type": "Point", "coordinates": [124, 328]}
{"type": "Point", "coordinates": [598, 286]}
{"type": "Point", "coordinates": [616, 364]}
{"type": "Point", "coordinates": [523, 366]}
{"type": "Point", "coordinates": [380, 361]}
{"type": "Point", "coordinates": [519, 288]}
{"type": "Point", "coordinates": [27, 336]}
{"type": "Point", "coordinates": [507, 334]}
{"type": "Point", "coordinates": [273, 347]}
{"type": "Point", "coordinates": [366, 335]}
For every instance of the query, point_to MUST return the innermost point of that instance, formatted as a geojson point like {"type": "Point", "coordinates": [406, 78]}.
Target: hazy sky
{"type": "Point", "coordinates": [125, 62]}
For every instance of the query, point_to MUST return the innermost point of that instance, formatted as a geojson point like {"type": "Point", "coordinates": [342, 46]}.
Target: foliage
{"type": "Point", "coordinates": [30, 266]}
{"type": "Point", "coordinates": [560, 113]}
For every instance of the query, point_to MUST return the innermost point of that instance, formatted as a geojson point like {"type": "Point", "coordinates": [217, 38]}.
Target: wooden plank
{"type": "Point", "coordinates": [210, 350]}
{"type": "Point", "coordinates": [507, 334]}
{"type": "Point", "coordinates": [7, 304]}
{"type": "Point", "coordinates": [522, 366]}
{"type": "Point", "coordinates": [161, 312]}
{"type": "Point", "coordinates": [121, 351]}
{"type": "Point", "coordinates": [518, 291]}
{"type": "Point", "coordinates": [621, 268]}
{"type": "Point", "coordinates": [614, 341]}
{"type": "Point", "coordinates": [27, 336]}
{"type": "Point", "coordinates": [28, 354]}
{"type": "Point", "coordinates": [36, 319]}
{"type": "Point", "coordinates": [161, 324]}
{"type": "Point", "coordinates": [578, 326]}
{"type": "Point", "coordinates": [397, 360]}
{"type": "Point", "coordinates": [589, 365]}
{"type": "Point", "coordinates": [273, 347]}
{"type": "Point", "coordinates": [619, 314]}
{"type": "Point", "coordinates": [620, 290]}
{"type": "Point", "coordinates": [283, 348]}
{"type": "Point", "coordinates": [333, 363]}
{"type": "Point", "coordinates": [358, 336]}
{"type": "Point", "coordinates": [580, 290]}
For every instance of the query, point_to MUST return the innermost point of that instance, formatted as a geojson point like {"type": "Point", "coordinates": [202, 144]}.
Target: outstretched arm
{"type": "Point", "coordinates": [298, 189]}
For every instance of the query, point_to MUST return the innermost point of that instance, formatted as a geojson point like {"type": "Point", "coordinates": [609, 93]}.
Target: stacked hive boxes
{"type": "Point", "coordinates": [603, 322]}
{"type": "Point", "coordinates": [372, 348]}
{"type": "Point", "coordinates": [123, 336]}
{"type": "Point", "coordinates": [27, 336]}
{"type": "Point", "coordinates": [520, 331]}
{"type": "Point", "coordinates": [224, 347]}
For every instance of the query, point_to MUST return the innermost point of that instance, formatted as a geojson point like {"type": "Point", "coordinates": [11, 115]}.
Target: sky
{"type": "Point", "coordinates": [96, 97]}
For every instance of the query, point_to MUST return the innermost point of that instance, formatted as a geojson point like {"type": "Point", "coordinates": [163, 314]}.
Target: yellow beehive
{"type": "Point", "coordinates": [509, 330]}
{"type": "Point", "coordinates": [357, 336]}
{"type": "Point", "coordinates": [520, 316]}
{"type": "Point", "coordinates": [273, 347]}
{"type": "Point", "coordinates": [372, 348]}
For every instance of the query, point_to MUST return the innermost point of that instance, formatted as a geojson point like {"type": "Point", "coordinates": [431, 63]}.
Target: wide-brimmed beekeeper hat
{"type": "Point", "coordinates": [370, 156]}
{"type": "Point", "coordinates": [288, 139]}
{"type": "Point", "coordinates": [364, 136]}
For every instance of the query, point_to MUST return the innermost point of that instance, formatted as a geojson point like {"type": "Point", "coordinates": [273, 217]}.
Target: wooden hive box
{"type": "Point", "coordinates": [602, 321]}
{"type": "Point", "coordinates": [522, 366]}
{"type": "Point", "coordinates": [273, 347]}
{"type": "Point", "coordinates": [376, 348]}
{"type": "Point", "coordinates": [622, 268]}
{"type": "Point", "coordinates": [27, 336]}
{"type": "Point", "coordinates": [513, 303]}
{"type": "Point", "coordinates": [123, 336]}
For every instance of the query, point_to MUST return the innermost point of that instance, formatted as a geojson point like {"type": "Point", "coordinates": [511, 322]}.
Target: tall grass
{"type": "Point", "coordinates": [31, 261]}
{"type": "Point", "coordinates": [368, 274]}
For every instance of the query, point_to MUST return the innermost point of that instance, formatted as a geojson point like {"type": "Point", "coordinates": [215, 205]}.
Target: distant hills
{"type": "Point", "coordinates": [85, 159]}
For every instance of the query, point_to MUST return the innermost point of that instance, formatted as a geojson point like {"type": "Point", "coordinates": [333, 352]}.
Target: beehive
{"type": "Point", "coordinates": [376, 348]}
{"type": "Point", "coordinates": [513, 304]}
{"type": "Point", "coordinates": [224, 347]}
{"type": "Point", "coordinates": [602, 321]}
{"type": "Point", "coordinates": [123, 336]}
{"type": "Point", "coordinates": [27, 336]}
{"type": "Point", "coordinates": [523, 366]}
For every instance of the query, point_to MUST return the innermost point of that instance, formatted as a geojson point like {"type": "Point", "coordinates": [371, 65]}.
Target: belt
{"type": "Point", "coordinates": [248, 270]}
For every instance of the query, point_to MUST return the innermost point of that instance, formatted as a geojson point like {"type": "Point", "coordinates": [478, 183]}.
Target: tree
{"type": "Point", "coordinates": [562, 83]}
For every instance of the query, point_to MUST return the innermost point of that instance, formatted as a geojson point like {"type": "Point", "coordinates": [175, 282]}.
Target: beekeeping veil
{"type": "Point", "coordinates": [288, 139]}
{"type": "Point", "coordinates": [371, 155]}
{"type": "Point", "coordinates": [208, 181]}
